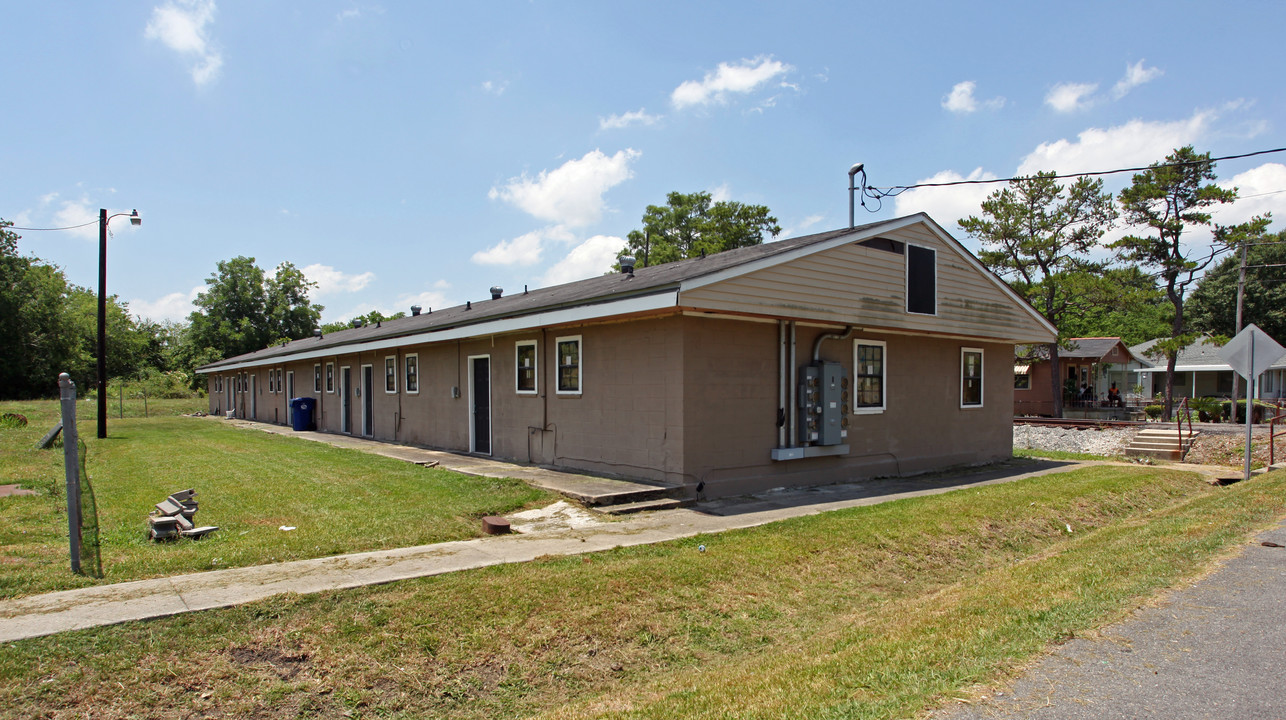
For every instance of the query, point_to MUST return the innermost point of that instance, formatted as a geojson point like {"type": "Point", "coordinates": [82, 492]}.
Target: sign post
{"type": "Point", "coordinates": [71, 462]}
{"type": "Point", "coordinates": [1249, 354]}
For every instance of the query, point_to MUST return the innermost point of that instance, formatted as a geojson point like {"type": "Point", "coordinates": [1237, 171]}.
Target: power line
{"type": "Point", "coordinates": [878, 194]}
{"type": "Point", "coordinates": [69, 227]}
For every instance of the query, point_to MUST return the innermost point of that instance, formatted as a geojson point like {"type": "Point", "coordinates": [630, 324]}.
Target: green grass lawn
{"type": "Point", "coordinates": [872, 612]}
{"type": "Point", "coordinates": [248, 483]}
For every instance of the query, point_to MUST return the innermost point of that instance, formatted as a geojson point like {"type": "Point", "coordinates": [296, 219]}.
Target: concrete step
{"type": "Point", "coordinates": [667, 503]}
{"type": "Point", "coordinates": [1153, 453]}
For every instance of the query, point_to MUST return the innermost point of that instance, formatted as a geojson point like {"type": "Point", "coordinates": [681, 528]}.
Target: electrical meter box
{"type": "Point", "coordinates": [823, 404]}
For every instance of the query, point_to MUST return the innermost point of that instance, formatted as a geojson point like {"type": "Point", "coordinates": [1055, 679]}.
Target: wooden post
{"type": "Point", "coordinates": [71, 463]}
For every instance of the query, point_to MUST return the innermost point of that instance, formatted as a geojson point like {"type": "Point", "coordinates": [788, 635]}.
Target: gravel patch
{"type": "Point", "coordinates": [1094, 441]}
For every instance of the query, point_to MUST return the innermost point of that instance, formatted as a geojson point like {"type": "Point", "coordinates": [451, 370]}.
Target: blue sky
{"type": "Point", "coordinates": [421, 152]}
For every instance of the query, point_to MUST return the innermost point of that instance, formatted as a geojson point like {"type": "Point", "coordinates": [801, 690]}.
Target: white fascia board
{"type": "Point", "coordinates": [1186, 368]}
{"type": "Point", "coordinates": [656, 301]}
{"type": "Point", "coordinates": [805, 251]}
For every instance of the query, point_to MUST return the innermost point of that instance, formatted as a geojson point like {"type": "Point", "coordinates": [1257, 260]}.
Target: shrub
{"type": "Point", "coordinates": [1208, 409]}
{"type": "Point", "coordinates": [1262, 410]}
{"type": "Point", "coordinates": [1154, 411]}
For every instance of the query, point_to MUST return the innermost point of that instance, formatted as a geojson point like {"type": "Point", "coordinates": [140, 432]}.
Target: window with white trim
{"type": "Point", "coordinates": [569, 365]}
{"type": "Point", "coordinates": [412, 366]}
{"type": "Point", "coordinates": [316, 377]}
{"type": "Point", "coordinates": [869, 373]}
{"type": "Point", "coordinates": [390, 373]}
{"type": "Point", "coordinates": [970, 377]}
{"type": "Point", "coordinates": [525, 367]}
{"type": "Point", "coordinates": [1022, 377]}
{"type": "Point", "coordinates": [330, 377]}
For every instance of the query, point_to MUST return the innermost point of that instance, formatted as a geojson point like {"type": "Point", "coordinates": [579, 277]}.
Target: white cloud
{"type": "Point", "coordinates": [592, 257]}
{"type": "Point", "coordinates": [181, 25]}
{"type": "Point", "coordinates": [1069, 97]}
{"type": "Point", "coordinates": [331, 281]}
{"type": "Point", "coordinates": [947, 205]}
{"type": "Point", "coordinates": [522, 250]}
{"type": "Point", "coordinates": [961, 99]}
{"type": "Point", "coordinates": [1136, 143]}
{"type": "Point", "coordinates": [350, 14]}
{"type": "Point", "coordinates": [572, 194]}
{"type": "Point", "coordinates": [1259, 191]}
{"type": "Point", "coordinates": [743, 77]}
{"type": "Point", "coordinates": [636, 117]}
{"type": "Point", "coordinates": [800, 226]}
{"type": "Point", "coordinates": [79, 212]}
{"type": "Point", "coordinates": [721, 193]}
{"type": "Point", "coordinates": [427, 300]}
{"type": "Point", "coordinates": [495, 88]}
{"type": "Point", "coordinates": [173, 307]}
{"type": "Point", "coordinates": [1135, 75]}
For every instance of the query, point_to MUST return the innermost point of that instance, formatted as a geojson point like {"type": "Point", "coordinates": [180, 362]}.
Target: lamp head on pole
{"type": "Point", "coordinates": [134, 219]}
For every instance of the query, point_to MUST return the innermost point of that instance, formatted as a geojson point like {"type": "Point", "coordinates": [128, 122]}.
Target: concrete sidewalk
{"type": "Point", "coordinates": [51, 613]}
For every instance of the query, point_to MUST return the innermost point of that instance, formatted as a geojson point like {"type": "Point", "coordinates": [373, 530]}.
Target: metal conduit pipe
{"type": "Point", "coordinates": [817, 344]}
{"type": "Point", "coordinates": [794, 376]}
{"type": "Point", "coordinates": [781, 382]}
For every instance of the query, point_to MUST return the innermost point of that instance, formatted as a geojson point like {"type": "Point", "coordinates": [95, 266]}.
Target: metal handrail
{"type": "Point", "coordinates": [1273, 433]}
{"type": "Point", "coordinates": [1184, 411]}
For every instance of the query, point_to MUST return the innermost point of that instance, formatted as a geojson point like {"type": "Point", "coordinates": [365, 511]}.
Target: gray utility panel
{"type": "Point", "coordinates": [823, 404]}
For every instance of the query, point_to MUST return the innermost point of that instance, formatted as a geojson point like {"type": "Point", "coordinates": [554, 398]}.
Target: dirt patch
{"type": "Point", "coordinates": [1229, 450]}
{"type": "Point", "coordinates": [285, 665]}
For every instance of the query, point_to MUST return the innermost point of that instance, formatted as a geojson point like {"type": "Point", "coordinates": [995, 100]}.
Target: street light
{"type": "Point", "coordinates": [103, 219]}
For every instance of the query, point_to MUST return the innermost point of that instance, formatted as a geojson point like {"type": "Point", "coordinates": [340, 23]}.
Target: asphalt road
{"type": "Point", "coordinates": [1216, 649]}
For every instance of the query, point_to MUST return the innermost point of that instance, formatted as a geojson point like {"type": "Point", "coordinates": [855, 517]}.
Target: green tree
{"type": "Point", "coordinates": [1037, 234]}
{"type": "Point", "coordinates": [1127, 304]}
{"type": "Point", "coordinates": [243, 310]}
{"type": "Point", "coordinates": [1166, 200]}
{"type": "Point", "coordinates": [1212, 308]}
{"type": "Point", "coordinates": [370, 318]}
{"type": "Point", "coordinates": [693, 225]}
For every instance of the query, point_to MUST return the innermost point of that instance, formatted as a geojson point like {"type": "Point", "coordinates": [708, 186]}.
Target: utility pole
{"type": "Point", "coordinates": [1236, 379]}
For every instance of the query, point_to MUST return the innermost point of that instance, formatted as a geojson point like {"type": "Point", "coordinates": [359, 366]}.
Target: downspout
{"type": "Point", "coordinates": [781, 384]}
{"type": "Point", "coordinates": [817, 344]}
{"type": "Point", "coordinates": [794, 381]}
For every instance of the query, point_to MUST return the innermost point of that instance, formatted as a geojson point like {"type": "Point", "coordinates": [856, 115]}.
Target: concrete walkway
{"type": "Point", "coordinates": [38, 615]}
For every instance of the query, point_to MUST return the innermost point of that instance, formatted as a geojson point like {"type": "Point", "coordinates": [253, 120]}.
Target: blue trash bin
{"type": "Point", "coordinates": [301, 413]}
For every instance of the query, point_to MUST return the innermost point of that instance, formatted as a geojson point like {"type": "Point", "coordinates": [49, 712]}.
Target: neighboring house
{"type": "Point", "coordinates": [880, 350]}
{"type": "Point", "coordinates": [1200, 372]}
{"type": "Point", "coordinates": [1089, 368]}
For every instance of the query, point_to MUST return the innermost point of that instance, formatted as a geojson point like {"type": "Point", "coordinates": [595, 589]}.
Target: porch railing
{"type": "Point", "coordinates": [1273, 432]}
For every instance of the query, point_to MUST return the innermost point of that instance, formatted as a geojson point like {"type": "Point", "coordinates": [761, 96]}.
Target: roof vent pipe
{"type": "Point", "coordinates": [415, 310]}
{"type": "Point", "coordinates": [852, 188]}
{"type": "Point", "coordinates": [496, 292]}
{"type": "Point", "coordinates": [468, 304]}
{"type": "Point", "coordinates": [627, 264]}
{"type": "Point", "coordinates": [817, 344]}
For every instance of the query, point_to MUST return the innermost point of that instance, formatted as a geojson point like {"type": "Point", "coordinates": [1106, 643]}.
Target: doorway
{"type": "Point", "coordinates": [290, 394]}
{"type": "Point", "coordinates": [368, 416]}
{"type": "Point", "coordinates": [345, 401]}
{"type": "Point", "coordinates": [480, 404]}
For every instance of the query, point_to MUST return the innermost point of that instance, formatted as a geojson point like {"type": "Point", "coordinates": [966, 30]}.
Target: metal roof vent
{"type": "Point", "coordinates": [496, 292]}
{"type": "Point", "coordinates": [415, 310]}
{"type": "Point", "coordinates": [317, 333]}
{"type": "Point", "coordinates": [357, 322]}
{"type": "Point", "coordinates": [627, 264]}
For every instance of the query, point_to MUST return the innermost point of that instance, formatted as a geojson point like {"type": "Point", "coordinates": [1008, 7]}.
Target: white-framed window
{"type": "Point", "coordinates": [412, 365]}
{"type": "Point", "coordinates": [330, 377]}
{"type": "Point", "coordinates": [317, 377]}
{"type": "Point", "coordinates": [921, 280]}
{"type": "Point", "coordinates": [970, 377]}
{"type": "Point", "coordinates": [568, 353]}
{"type": "Point", "coordinates": [870, 373]}
{"type": "Point", "coordinates": [525, 367]}
{"type": "Point", "coordinates": [281, 374]}
{"type": "Point", "coordinates": [1022, 377]}
{"type": "Point", "coordinates": [390, 373]}
{"type": "Point", "coordinates": [218, 383]}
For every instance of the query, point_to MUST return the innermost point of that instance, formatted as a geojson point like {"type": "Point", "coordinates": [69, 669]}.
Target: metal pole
{"type": "Point", "coordinates": [71, 464]}
{"type": "Point", "coordinates": [1250, 407]}
{"type": "Point", "coordinates": [1241, 293]}
{"type": "Point", "coordinates": [102, 323]}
